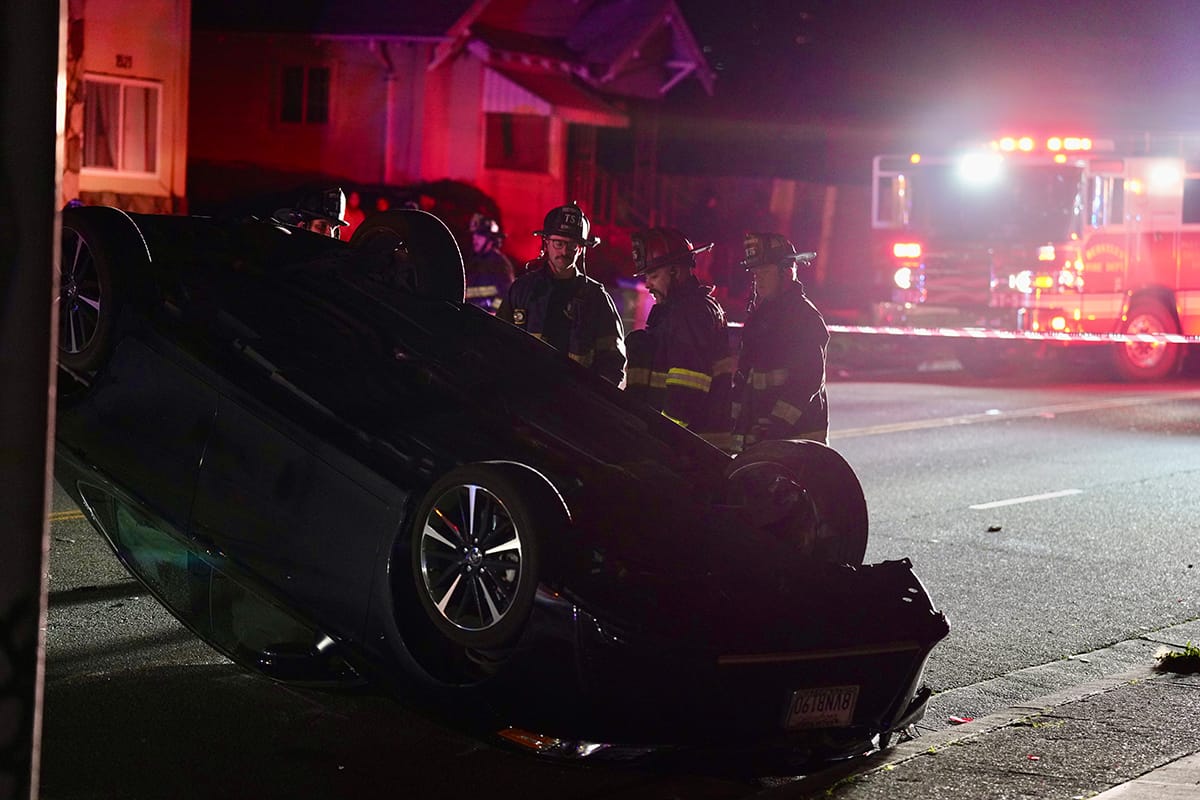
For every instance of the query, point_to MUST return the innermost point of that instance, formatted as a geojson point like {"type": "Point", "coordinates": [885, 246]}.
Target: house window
{"type": "Point", "coordinates": [305, 95]}
{"type": "Point", "coordinates": [121, 125]}
{"type": "Point", "coordinates": [518, 142]}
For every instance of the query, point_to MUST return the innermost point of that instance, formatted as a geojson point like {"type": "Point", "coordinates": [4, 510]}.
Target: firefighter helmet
{"type": "Point", "coordinates": [483, 225]}
{"type": "Point", "coordinates": [569, 222]}
{"type": "Point", "coordinates": [663, 247]}
{"type": "Point", "coordinates": [768, 249]}
{"type": "Point", "coordinates": [327, 206]}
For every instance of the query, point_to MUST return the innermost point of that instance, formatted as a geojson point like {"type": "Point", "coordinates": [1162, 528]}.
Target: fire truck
{"type": "Point", "coordinates": [1055, 238]}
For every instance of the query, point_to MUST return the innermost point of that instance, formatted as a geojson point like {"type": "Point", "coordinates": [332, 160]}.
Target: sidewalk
{"type": "Point", "coordinates": [1133, 736]}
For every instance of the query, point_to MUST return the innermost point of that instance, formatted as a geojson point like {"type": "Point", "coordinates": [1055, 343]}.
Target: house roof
{"type": "Point", "coordinates": [509, 43]}
{"type": "Point", "coordinates": [568, 54]}
{"type": "Point", "coordinates": [608, 30]}
{"type": "Point", "coordinates": [638, 48]}
{"type": "Point", "coordinates": [573, 102]}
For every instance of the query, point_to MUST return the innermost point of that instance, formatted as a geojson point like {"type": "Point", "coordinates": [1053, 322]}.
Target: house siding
{"type": "Point", "coordinates": [376, 94]}
{"type": "Point", "coordinates": [136, 40]}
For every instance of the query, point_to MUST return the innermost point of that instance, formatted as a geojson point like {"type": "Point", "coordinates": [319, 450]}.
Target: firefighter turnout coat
{"type": "Point", "coordinates": [596, 335]}
{"type": "Point", "coordinates": [488, 277]}
{"type": "Point", "coordinates": [680, 363]}
{"type": "Point", "coordinates": [779, 387]}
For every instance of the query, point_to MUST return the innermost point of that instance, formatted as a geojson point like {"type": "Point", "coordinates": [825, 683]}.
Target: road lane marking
{"type": "Point", "coordinates": [991, 415]}
{"type": "Point", "coordinates": [1029, 498]}
{"type": "Point", "coordinates": [65, 516]}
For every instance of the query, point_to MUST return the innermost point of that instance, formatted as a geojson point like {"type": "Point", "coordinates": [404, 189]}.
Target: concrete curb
{"type": "Point", "coordinates": [1179, 778]}
{"type": "Point", "coordinates": [929, 743]}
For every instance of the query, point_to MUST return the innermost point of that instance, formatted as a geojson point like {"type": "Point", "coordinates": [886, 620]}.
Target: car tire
{"type": "Point", "coordinates": [1147, 361]}
{"type": "Point", "coordinates": [477, 543]}
{"type": "Point", "coordinates": [829, 523]}
{"type": "Point", "coordinates": [101, 246]}
{"type": "Point", "coordinates": [425, 258]}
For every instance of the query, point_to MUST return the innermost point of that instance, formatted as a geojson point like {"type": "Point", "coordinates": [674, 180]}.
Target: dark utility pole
{"type": "Point", "coordinates": [30, 64]}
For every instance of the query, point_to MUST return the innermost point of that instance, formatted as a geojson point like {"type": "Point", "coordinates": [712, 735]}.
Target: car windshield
{"type": "Point", "coordinates": [1012, 203]}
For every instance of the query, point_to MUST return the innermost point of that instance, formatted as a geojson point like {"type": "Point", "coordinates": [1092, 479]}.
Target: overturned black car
{"type": "Point", "coordinates": [334, 471]}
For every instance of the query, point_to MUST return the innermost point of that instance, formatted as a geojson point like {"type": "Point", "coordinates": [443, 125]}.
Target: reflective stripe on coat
{"type": "Point", "coordinates": [680, 363]}
{"type": "Point", "coordinates": [779, 388]}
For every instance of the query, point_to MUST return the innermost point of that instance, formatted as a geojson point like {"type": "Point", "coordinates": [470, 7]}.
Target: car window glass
{"type": "Point", "coordinates": [241, 623]}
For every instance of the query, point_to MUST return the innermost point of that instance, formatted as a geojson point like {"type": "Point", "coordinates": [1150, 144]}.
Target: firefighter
{"type": "Point", "coordinates": [558, 303]}
{"type": "Point", "coordinates": [679, 363]}
{"type": "Point", "coordinates": [779, 387]}
{"type": "Point", "coordinates": [489, 272]}
{"type": "Point", "coordinates": [320, 212]}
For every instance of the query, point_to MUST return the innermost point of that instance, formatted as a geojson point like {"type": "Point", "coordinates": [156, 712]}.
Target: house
{"type": "Point", "coordinates": [174, 108]}
{"type": "Point", "coordinates": [126, 103]}
{"type": "Point", "coordinates": [504, 95]}
{"type": "Point", "coordinates": [511, 99]}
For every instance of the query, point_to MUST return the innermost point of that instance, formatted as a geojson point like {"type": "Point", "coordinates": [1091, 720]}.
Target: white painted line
{"type": "Point", "coordinates": [994, 414]}
{"type": "Point", "coordinates": [1033, 498]}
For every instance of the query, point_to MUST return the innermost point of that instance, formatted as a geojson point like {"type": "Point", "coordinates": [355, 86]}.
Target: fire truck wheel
{"type": "Point", "coordinates": [1147, 361]}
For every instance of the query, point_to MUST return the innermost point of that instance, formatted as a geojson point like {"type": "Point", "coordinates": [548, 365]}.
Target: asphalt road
{"type": "Point", "coordinates": [1050, 516]}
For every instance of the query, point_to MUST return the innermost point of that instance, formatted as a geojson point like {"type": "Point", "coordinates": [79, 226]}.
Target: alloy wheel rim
{"type": "Point", "coordinates": [79, 295]}
{"type": "Point", "coordinates": [470, 558]}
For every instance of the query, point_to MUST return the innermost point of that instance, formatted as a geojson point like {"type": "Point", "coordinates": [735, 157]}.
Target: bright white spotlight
{"type": "Point", "coordinates": [1022, 282]}
{"type": "Point", "coordinates": [979, 169]}
{"type": "Point", "coordinates": [1166, 178]}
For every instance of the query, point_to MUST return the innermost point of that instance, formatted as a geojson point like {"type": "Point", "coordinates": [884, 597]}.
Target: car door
{"type": "Point", "coordinates": [145, 425]}
{"type": "Point", "coordinates": [307, 519]}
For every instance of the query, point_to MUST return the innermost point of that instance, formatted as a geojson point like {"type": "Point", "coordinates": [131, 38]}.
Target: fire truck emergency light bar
{"type": "Point", "coordinates": [1054, 144]}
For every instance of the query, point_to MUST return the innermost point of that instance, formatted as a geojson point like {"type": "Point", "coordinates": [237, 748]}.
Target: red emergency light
{"type": "Point", "coordinates": [1053, 144]}
{"type": "Point", "coordinates": [1056, 143]}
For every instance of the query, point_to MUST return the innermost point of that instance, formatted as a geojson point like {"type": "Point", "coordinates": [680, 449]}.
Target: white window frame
{"type": "Point", "coordinates": [123, 84]}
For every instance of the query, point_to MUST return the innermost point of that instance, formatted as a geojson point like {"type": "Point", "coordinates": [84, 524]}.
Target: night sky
{"type": "Point", "coordinates": [1116, 61]}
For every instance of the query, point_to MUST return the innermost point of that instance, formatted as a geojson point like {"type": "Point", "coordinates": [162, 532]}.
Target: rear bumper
{"type": "Point", "coordinates": [733, 689]}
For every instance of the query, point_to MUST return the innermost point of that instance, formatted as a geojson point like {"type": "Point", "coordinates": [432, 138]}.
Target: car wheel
{"type": "Point", "coordinates": [805, 493]}
{"type": "Point", "coordinates": [1147, 361]}
{"type": "Point", "coordinates": [477, 543]}
{"type": "Point", "coordinates": [97, 242]}
{"type": "Point", "coordinates": [425, 259]}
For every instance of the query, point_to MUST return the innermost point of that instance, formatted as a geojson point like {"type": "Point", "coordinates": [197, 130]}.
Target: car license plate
{"type": "Point", "coordinates": [827, 707]}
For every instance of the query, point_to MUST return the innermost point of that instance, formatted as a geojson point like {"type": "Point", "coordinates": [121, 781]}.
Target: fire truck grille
{"type": "Point", "coordinates": [957, 280]}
